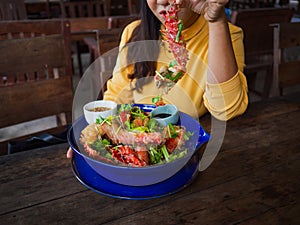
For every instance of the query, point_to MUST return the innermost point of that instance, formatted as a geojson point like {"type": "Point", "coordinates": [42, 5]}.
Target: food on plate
{"type": "Point", "coordinates": [133, 138]}
{"type": "Point", "coordinates": [99, 109]}
{"type": "Point", "coordinates": [158, 101]}
{"type": "Point", "coordinates": [168, 76]}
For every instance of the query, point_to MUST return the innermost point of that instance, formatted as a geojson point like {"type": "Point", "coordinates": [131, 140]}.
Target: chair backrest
{"type": "Point", "coordinates": [134, 6]}
{"type": "Point", "coordinates": [88, 24]}
{"type": "Point", "coordinates": [117, 7]}
{"type": "Point", "coordinates": [255, 25]}
{"type": "Point", "coordinates": [12, 10]}
{"type": "Point", "coordinates": [286, 68]}
{"type": "Point", "coordinates": [246, 4]}
{"type": "Point", "coordinates": [35, 70]}
{"type": "Point", "coordinates": [120, 21]}
{"type": "Point", "coordinates": [108, 39]}
{"type": "Point", "coordinates": [75, 9]}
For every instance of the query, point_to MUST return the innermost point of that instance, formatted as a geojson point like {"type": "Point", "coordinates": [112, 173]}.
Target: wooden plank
{"type": "Point", "coordinates": [286, 72]}
{"type": "Point", "coordinates": [121, 21]}
{"type": "Point", "coordinates": [88, 23]}
{"type": "Point", "coordinates": [26, 26]}
{"type": "Point", "coordinates": [108, 39]}
{"type": "Point", "coordinates": [45, 50]}
{"type": "Point", "coordinates": [255, 23]}
{"type": "Point", "coordinates": [289, 73]}
{"type": "Point", "coordinates": [20, 181]}
{"type": "Point", "coordinates": [293, 37]}
{"type": "Point", "coordinates": [82, 9]}
{"type": "Point", "coordinates": [258, 193]}
{"type": "Point", "coordinates": [32, 100]}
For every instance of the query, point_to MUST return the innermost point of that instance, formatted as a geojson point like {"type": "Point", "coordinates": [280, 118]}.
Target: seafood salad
{"type": "Point", "coordinates": [133, 138]}
{"type": "Point", "coordinates": [168, 76]}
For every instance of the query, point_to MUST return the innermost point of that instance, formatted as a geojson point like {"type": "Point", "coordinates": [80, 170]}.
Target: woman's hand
{"type": "Point", "coordinates": [69, 153]}
{"type": "Point", "coordinates": [213, 10]}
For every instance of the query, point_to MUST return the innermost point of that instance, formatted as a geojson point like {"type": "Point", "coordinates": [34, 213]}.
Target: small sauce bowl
{"type": "Point", "coordinates": [103, 108]}
{"type": "Point", "coordinates": [165, 115]}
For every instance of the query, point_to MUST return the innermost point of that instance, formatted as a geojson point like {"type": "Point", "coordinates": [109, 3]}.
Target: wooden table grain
{"type": "Point", "coordinates": [253, 180]}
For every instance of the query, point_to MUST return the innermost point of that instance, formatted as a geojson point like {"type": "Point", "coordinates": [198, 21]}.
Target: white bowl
{"type": "Point", "coordinates": [91, 115]}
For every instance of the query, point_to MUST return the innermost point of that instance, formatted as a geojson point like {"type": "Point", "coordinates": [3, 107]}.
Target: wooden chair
{"type": "Point", "coordinates": [248, 4]}
{"type": "Point", "coordinates": [104, 50]}
{"type": "Point", "coordinates": [134, 7]}
{"type": "Point", "coordinates": [258, 42]}
{"type": "Point", "coordinates": [82, 28]}
{"type": "Point", "coordinates": [82, 9]}
{"type": "Point", "coordinates": [108, 38]}
{"type": "Point", "coordinates": [80, 25]}
{"type": "Point", "coordinates": [121, 21]}
{"type": "Point", "coordinates": [12, 10]}
{"type": "Point", "coordinates": [286, 68]}
{"type": "Point", "coordinates": [117, 7]}
{"type": "Point", "coordinates": [35, 73]}
{"type": "Point", "coordinates": [75, 9]}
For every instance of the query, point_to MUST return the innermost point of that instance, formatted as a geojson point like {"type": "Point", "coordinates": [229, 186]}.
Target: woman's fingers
{"type": "Point", "coordinates": [69, 153]}
{"type": "Point", "coordinates": [211, 9]}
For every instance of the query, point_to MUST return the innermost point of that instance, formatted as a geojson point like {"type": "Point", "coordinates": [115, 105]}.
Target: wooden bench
{"type": "Point", "coordinates": [258, 42]}
{"type": "Point", "coordinates": [12, 10]}
{"type": "Point", "coordinates": [75, 9]}
{"type": "Point", "coordinates": [286, 68]}
{"type": "Point", "coordinates": [35, 72]}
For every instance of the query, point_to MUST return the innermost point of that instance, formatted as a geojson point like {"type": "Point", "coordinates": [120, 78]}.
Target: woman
{"type": "Point", "coordinates": [214, 81]}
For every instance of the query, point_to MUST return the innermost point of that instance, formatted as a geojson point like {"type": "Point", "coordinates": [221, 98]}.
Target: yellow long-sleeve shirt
{"type": "Point", "coordinates": [192, 94]}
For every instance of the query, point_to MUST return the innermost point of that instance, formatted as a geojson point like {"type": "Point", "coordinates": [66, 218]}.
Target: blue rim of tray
{"type": "Point", "coordinates": [76, 174]}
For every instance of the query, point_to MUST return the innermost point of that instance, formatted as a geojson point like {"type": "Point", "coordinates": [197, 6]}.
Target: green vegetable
{"type": "Point", "coordinates": [187, 135]}
{"type": "Point", "coordinates": [173, 63]}
{"type": "Point", "coordinates": [180, 28]}
{"type": "Point", "coordinates": [156, 99]}
{"type": "Point", "coordinates": [171, 130]}
{"type": "Point", "coordinates": [99, 146]}
{"type": "Point", "coordinates": [177, 76]}
{"type": "Point", "coordinates": [152, 124]}
{"type": "Point", "coordinates": [155, 155]}
{"type": "Point", "coordinates": [125, 107]}
{"type": "Point", "coordinates": [101, 120]}
{"type": "Point", "coordinates": [165, 153]}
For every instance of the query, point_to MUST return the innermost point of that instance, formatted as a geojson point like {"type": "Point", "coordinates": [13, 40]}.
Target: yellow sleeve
{"type": "Point", "coordinates": [229, 99]}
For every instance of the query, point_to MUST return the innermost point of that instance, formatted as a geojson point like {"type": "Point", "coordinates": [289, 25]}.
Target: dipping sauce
{"type": "Point", "coordinates": [99, 109]}
{"type": "Point", "coordinates": [162, 115]}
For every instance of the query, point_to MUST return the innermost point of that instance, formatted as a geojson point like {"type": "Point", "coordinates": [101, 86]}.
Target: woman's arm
{"type": "Point", "coordinates": [221, 59]}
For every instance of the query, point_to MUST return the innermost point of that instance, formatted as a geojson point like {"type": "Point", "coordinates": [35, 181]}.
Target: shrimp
{"type": "Point", "coordinates": [91, 133]}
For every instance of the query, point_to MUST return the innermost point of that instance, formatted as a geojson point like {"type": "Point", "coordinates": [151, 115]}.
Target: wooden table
{"type": "Point", "coordinates": [253, 180]}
